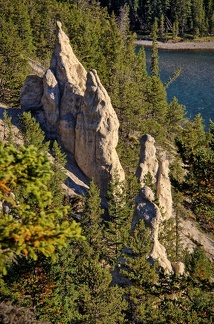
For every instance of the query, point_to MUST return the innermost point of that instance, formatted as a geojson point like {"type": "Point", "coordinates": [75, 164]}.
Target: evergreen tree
{"type": "Point", "coordinates": [59, 175]}
{"type": "Point", "coordinates": [8, 132]}
{"type": "Point", "coordinates": [154, 56]}
{"type": "Point", "coordinates": [199, 267]}
{"type": "Point", "coordinates": [83, 291]}
{"type": "Point", "coordinates": [92, 223]}
{"type": "Point", "coordinates": [117, 226]}
{"type": "Point", "coordinates": [13, 65]}
{"type": "Point", "coordinates": [32, 133]}
{"type": "Point", "coordinates": [199, 23]}
{"type": "Point", "coordinates": [175, 117]}
{"type": "Point", "coordinates": [141, 274]}
{"type": "Point", "coordinates": [28, 224]}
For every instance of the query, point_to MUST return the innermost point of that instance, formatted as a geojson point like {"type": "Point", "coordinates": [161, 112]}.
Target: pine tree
{"type": "Point", "coordinates": [91, 221]}
{"type": "Point", "coordinates": [154, 56]}
{"type": "Point", "coordinates": [32, 133]}
{"type": "Point", "coordinates": [83, 291]}
{"type": "Point", "coordinates": [175, 118]}
{"type": "Point", "coordinates": [8, 132]}
{"type": "Point", "coordinates": [141, 274]}
{"type": "Point", "coordinates": [118, 224]}
{"type": "Point", "coordinates": [198, 265]}
{"type": "Point", "coordinates": [13, 65]}
{"type": "Point", "coordinates": [28, 224]}
{"type": "Point", "coordinates": [59, 175]}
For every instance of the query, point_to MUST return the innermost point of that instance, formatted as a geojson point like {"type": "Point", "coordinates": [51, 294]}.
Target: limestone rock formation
{"type": "Point", "coordinates": [164, 187]}
{"type": "Point", "coordinates": [147, 210]}
{"type": "Point", "coordinates": [148, 162]}
{"type": "Point", "coordinates": [78, 110]}
{"type": "Point", "coordinates": [152, 173]}
{"type": "Point", "coordinates": [97, 135]}
{"type": "Point", "coordinates": [158, 170]}
{"type": "Point", "coordinates": [65, 64]}
{"type": "Point", "coordinates": [32, 92]}
{"type": "Point", "coordinates": [51, 98]}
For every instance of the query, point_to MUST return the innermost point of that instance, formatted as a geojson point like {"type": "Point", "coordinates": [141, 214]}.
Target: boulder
{"type": "Point", "coordinates": [31, 93]}
{"type": "Point", "coordinates": [97, 135]}
{"type": "Point", "coordinates": [178, 268]}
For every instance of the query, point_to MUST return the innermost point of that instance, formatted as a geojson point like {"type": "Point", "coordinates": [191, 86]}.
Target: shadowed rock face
{"type": "Point", "coordinates": [146, 208]}
{"type": "Point", "coordinates": [78, 109]}
{"type": "Point", "coordinates": [51, 98]}
{"type": "Point", "coordinates": [32, 92]}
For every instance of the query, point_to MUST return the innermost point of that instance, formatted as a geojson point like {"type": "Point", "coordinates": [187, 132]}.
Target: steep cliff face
{"type": "Point", "coordinates": [78, 109]}
{"type": "Point", "coordinates": [153, 205]}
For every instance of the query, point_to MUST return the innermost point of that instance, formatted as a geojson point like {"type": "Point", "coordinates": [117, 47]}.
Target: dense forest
{"type": "Point", "coordinates": [59, 254]}
{"type": "Point", "coordinates": [192, 17]}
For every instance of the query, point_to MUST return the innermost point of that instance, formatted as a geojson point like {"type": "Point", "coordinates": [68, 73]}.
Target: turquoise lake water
{"type": "Point", "coordinates": [194, 88]}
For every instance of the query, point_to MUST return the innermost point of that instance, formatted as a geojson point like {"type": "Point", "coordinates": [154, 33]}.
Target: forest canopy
{"type": "Point", "coordinates": [52, 272]}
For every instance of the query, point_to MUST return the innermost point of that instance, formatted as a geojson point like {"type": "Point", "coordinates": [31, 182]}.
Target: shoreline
{"type": "Point", "coordinates": [179, 45]}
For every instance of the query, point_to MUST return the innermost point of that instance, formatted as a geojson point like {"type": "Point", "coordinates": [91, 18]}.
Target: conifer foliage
{"type": "Point", "coordinates": [106, 276]}
{"type": "Point", "coordinates": [28, 225]}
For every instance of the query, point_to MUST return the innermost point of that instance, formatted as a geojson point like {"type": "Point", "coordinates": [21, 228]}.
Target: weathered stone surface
{"type": "Point", "coordinates": [97, 135]}
{"type": "Point", "coordinates": [51, 98]}
{"type": "Point", "coordinates": [159, 253]}
{"type": "Point", "coordinates": [159, 172]}
{"type": "Point", "coordinates": [32, 92]}
{"type": "Point", "coordinates": [66, 129]}
{"type": "Point", "coordinates": [178, 268]}
{"type": "Point", "coordinates": [66, 66]}
{"type": "Point", "coordinates": [156, 186]}
{"type": "Point", "coordinates": [147, 210]}
{"type": "Point", "coordinates": [148, 162]}
{"type": "Point", "coordinates": [164, 187]}
{"type": "Point", "coordinates": [69, 108]}
{"type": "Point", "coordinates": [79, 114]}
{"type": "Point", "coordinates": [71, 100]}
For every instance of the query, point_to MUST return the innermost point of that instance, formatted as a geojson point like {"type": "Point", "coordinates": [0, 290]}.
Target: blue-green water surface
{"type": "Point", "coordinates": [194, 88]}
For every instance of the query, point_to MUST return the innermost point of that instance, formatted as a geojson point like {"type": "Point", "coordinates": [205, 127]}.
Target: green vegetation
{"type": "Point", "coordinates": [185, 18]}
{"type": "Point", "coordinates": [49, 270]}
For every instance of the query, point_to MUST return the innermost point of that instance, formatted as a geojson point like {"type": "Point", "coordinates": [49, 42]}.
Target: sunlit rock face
{"type": "Point", "coordinates": [154, 202]}
{"type": "Point", "coordinates": [65, 64]}
{"type": "Point", "coordinates": [97, 135]}
{"type": "Point", "coordinates": [154, 169]}
{"type": "Point", "coordinates": [78, 109]}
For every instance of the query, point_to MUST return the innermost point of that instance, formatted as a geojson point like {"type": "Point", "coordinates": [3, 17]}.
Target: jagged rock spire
{"type": "Point", "coordinates": [78, 110]}
{"type": "Point", "coordinates": [158, 190]}
{"type": "Point", "coordinates": [65, 64]}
